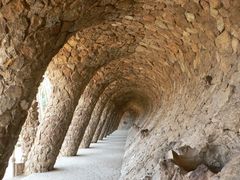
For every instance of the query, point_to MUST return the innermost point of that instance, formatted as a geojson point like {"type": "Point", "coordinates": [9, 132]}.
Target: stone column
{"type": "Point", "coordinates": [51, 133]}
{"type": "Point", "coordinates": [81, 118]}
{"type": "Point", "coordinates": [113, 124]}
{"type": "Point", "coordinates": [67, 88]}
{"type": "Point", "coordinates": [68, 84]}
{"type": "Point", "coordinates": [94, 122]}
{"type": "Point", "coordinates": [116, 123]}
{"type": "Point", "coordinates": [110, 126]}
{"type": "Point", "coordinates": [29, 130]}
{"type": "Point", "coordinates": [87, 103]}
{"type": "Point", "coordinates": [101, 124]}
{"type": "Point", "coordinates": [106, 125]}
{"type": "Point", "coordinates": [104, 113]}
{"type": "Point", "coordinates": [105, 133]}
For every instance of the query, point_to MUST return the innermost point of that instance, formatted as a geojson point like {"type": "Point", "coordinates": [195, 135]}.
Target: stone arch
{"type": "Point", "coordinates": [195, 45]}
{"type": "Point", "coordinates": [115, 71]}
{"type": "Point", "coordinates": [111, 107]}
{"type": "Point", "coordinates": [122, 100]}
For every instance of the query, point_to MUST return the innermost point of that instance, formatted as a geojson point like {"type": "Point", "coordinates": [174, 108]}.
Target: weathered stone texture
{"type": "Point", "coordinates": [31, 33]}
{"type": "Point", "coordinates": [105, 77]}
{"type": "Point", "coordinates": [70, 71]}
{"type": "Point", "coordinates": [201, 111]}
{"type": "Point", "coordinates": [102, 122]}
{"type": "Point", "coordinates": [174, 64]}
{"type": "Point", "coordinates": [208, 121]}
{"type": "Point", "coordinates": [93, 123]}
{"type": "Point", "coordinates": [29, 130]}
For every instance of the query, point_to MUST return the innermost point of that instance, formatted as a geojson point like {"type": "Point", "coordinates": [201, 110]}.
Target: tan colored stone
{"type": "Point", "coordinates": [12, 10]}
{"type": "Point", "coordinates": [220, 24]}
{"type": "Point", "coordinates": [14, 91]}
{"type": "Point", "coordinates": [24, 105]}
{"type": "Point", "coordinates": [5, 120]}
{"type": "Point", "coordinates": [226, 4]}
{"type": "Point", "coordinates": [161, 24]}
{"type": "Point", "coordinates": [223, 43]}
{"type": "Point", "coordinates": [235, 79]}
{"type": "Point", "coordinates": [215, 3]}
{"type": "Point", "coordinates": [68, 47]}
{"type": "Point", "coordinates": [1, 87]}
{"type": "Point", "coordinates": [36, 22]}
{"type": "Point", "coordinates": [235, 45]}
{"type": "Point", "coordinates": [73, 43]}
{"type": "Point", "coordinates": [128, 17]}
{"type": "Point", "coordinates": [149, 18]}
{"type": "Point", "coordinates": [29, 130]}
{"type": "Point", "coordinates": [190, 17]}
{"type": "Point", "coordinates": [177, 60]}
{"type": "Point", "coordinates": [214, 13]}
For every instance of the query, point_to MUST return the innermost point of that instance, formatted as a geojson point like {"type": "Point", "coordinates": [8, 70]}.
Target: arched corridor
{"type": "Point", "coordinates": [166, 70]}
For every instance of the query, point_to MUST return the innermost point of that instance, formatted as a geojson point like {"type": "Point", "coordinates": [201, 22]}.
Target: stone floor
{"type": "Point", "coordinates": [102, 161]}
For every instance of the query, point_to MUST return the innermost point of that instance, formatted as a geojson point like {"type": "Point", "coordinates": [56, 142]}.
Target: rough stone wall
{"type": "Point", "coordinates": [203, 113]}
{"type": "Point", "coordinates": [127, 120]}
{"type": "Point", "coordinates": [202, 109]}
{"type": "Point", "coordinates": [208, 121]}
{"type": "Point", "coordinates": [29, 130]}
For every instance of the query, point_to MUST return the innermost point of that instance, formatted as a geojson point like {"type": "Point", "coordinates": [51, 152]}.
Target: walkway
{"type": "Point", "coordinates": [102, 161]}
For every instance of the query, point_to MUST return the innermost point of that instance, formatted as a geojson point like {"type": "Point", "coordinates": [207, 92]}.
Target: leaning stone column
{"type": "Point", "coordinates": [29, 130]}
{"type": "Point", "coordinates": [68, 84]}
{"type": "Point", "coordinates": [104, 119]}
{"type": "Point", "coordinates": [94, 122]}
{"type": "Point", "coordinates": [106, 124]}
{"type": "Point", "coordinates": [102, 115]}
{"type": "Point", "coordinates": [113, 123]}
{"type": "Point", "coordinates": [110, 125]}
{"type": "Point", "coordinates": [82, 116]}
{"type": "Point", "coordinates": [116, 123]}
{"type": "Point", "coordinates": [101, 124]}
{"type": "Point", "coordinates": [51, 132]}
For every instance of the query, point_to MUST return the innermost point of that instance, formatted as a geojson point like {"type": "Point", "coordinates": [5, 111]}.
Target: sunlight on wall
{"type": "Point", "coordinates": [44, 93]}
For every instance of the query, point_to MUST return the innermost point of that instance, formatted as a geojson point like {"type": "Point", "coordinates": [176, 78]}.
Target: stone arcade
{"type": "Point", "coordinates": [173, 65]}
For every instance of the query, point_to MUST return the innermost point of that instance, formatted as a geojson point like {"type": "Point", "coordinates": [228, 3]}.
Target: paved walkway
{"type": "Point", "coordinates": [102, 161]}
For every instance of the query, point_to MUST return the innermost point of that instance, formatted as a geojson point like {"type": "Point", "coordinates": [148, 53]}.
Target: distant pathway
{"type": "Point", "coordinates": [102, 161]}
